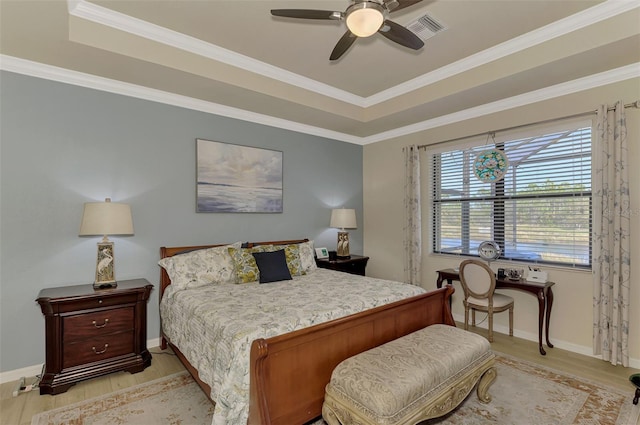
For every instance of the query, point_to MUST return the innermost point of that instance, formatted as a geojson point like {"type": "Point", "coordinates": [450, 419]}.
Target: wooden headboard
{"type": "Point", "coordinates": [175, 250]}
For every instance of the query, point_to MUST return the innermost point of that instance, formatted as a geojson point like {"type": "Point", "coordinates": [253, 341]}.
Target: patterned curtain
{"type": "Point", "coordinates": [611, 241]}
{"type": "Point", "coordinates": [413, 216]}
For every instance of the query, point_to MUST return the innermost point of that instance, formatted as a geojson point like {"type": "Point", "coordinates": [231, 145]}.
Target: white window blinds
{"type": "Point", "coordinates": [539, 212]}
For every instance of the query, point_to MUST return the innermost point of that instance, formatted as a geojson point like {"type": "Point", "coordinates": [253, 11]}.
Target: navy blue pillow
{"type": "Point", "coordinates": [272, 266]}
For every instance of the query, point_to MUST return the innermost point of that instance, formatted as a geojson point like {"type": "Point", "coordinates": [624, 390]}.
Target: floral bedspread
{"type": "Point", "coordinates": [214, 325]}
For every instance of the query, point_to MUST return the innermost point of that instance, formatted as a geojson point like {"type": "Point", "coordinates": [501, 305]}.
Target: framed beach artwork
{"type": "Point", "coordinates": [237, 179]}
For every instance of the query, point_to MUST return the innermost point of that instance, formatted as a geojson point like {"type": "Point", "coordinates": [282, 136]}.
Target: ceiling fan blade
{"type": "Point", "coordinates": [401, 35]}
{"type": "Point", "coordinates": [307, 14]}
{"type": "Point", "coordinates": [343, 45]}
{"type": "Point", "coordinates": [404, 3]}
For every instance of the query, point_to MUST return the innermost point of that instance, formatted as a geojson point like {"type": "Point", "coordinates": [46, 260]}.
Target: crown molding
{"type": "Point", "coordinates": [104, 16]}
{"type": "Point", "coordinates": [49, 72]}
{"type": "Point", "coordinates": [577, 21]}
{"type": "Point", "coordinates": [597, 80]}
{"type": "Point", "coordinates": [110, 18]}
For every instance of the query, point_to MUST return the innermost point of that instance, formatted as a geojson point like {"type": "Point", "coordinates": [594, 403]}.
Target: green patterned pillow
{"type": "Point", "coordinates": [292, 254]}
{"type": "Point", "coordinates": [245, 265]}
{"type": "Point", "coordinates": [201, 267]}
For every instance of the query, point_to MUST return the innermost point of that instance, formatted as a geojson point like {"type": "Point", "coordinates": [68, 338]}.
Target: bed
{"type": "Point", "coordinates": [283, 365]}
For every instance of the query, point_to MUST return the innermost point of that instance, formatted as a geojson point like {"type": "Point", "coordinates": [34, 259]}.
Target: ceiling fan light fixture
{"type": "Point", "coordinates": [365, 18]}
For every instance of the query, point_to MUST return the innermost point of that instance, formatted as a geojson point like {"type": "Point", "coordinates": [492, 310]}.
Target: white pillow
{"type": "Point", "coordinates": [201, 267]}
{"type": "Point", "coordinates": [307, 257]}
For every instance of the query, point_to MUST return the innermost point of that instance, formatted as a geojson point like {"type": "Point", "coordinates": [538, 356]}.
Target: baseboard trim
{"type": "Point", "coordinates": [14, 375]}
{"type": "Point", "coordinates": [574, 348]}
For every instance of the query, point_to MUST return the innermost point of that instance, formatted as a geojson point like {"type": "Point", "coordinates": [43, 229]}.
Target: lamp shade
{"type": "Point", "coordinates": [106, 218]}
{"type": "Point", "coordinates": [343, 218]}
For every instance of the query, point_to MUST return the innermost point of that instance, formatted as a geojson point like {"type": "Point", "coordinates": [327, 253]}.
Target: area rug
{"type": "Point", "coordinates": [523, 393]}
{"type": "Point", "coordinates": [172, 400]}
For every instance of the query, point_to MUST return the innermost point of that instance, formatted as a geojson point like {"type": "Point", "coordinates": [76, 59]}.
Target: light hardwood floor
{"type": "Point", "coordinates": [19, 410]}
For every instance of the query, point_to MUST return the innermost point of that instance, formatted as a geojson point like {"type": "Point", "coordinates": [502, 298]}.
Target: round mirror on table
{"type": "Point", "coordinates": [489, 250]}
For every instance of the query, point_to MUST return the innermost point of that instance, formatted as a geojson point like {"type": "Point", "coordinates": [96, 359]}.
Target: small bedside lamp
{"type": "Point", "coordinates": [343, 218]}
{"type": "Point", "coordinates": [106, 218]}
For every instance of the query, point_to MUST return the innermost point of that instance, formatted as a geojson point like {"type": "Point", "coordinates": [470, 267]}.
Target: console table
{"type": "Point", "coordinates": [541, 290]}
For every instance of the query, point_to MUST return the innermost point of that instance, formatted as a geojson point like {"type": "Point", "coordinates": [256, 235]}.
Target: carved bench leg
{"type": "Point", "coordinates": [485, 382]}
{"type": "Point", "coordinates": [329, 415]}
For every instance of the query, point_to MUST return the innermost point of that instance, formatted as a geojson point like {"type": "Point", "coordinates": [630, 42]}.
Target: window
{"type": "Point", "coordinates": [539, 212]}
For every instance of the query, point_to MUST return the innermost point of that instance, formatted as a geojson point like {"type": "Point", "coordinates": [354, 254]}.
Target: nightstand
{"type": "Point", "coordinates": [354, 265]}
{"type": "Point", "coordinates": [90, 332]}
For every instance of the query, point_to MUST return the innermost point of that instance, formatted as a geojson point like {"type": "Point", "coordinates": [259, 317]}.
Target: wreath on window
{"type": "Point", "coordinates": [491, 165]}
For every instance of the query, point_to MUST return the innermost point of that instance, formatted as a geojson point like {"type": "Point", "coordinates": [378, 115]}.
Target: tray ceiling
{"type": "Point", "coordinates": [234, 59]}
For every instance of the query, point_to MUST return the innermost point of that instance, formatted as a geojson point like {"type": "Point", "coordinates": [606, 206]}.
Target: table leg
{"type": "Point", "coordinates": [548, 315]}
{"type": "Point", "coordinates": [541, 311]}
{"type": "Point", "coordinates": [442, 278]}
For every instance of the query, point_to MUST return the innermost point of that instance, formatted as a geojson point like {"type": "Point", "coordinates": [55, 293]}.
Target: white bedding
{"type": "Point", "coordinates": [214, 325]}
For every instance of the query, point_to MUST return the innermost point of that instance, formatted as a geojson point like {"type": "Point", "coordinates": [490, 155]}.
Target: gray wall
{"type": "Point", "coordinates": [63, 145]}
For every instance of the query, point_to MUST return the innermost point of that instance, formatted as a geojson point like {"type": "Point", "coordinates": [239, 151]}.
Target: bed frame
{"type": "Point", "coordinates": [289, 372]}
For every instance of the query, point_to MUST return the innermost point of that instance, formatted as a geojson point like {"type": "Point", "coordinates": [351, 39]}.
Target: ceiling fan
{"type": "Point", "coordinates": [363, 18]}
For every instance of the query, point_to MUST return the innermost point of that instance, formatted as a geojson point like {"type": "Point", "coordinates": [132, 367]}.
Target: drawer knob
{"type": "Point", "coordinates": [99, 301]}
{"type": "Point", "coordinates": [102, 325]}
{"type": "Point", "coordinates": [101, 351]}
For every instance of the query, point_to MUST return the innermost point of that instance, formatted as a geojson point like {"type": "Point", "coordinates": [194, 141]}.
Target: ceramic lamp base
{"type": "Point", "coordinates": [105, 267]}
{"type": "Point", "coordinates": [343, 245]}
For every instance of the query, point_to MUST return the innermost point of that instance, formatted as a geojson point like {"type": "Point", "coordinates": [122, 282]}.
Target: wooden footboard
{"type": "Point", "coordinates": [289, 372]}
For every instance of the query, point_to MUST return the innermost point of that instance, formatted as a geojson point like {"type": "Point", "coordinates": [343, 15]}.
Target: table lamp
{"type": "Point", "coordinates": [106, 218]}
{"type": "Point", "coordinates": [343, 218]}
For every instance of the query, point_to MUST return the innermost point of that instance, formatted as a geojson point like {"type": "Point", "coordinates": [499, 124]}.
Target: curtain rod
{"type": "Point", "coordinates": [635, 104]}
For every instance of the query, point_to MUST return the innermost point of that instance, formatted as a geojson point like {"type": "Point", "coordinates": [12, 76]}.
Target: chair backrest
{"type": "Point", "coordinates": [477, 279]}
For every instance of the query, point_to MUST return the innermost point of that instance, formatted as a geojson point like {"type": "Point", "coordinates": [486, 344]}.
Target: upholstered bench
{"type": "Point", "coordinates": [423, 375]}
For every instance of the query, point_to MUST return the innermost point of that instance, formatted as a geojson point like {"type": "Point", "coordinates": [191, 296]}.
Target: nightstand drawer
{"type": "Point", "coordinates": [356, 264]}
{"type": "Point", "coordinates": [97, 349]}
{"type": "Point", "coordinates": [102, 322]}
{"type": "Point", "coordinates": [96, 302]}
{"type": "Point", "coordinates": [354, 267]}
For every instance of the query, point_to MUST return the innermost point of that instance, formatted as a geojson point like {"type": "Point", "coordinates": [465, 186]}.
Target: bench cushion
{"type": "Point", "coordinates": [387, 382]}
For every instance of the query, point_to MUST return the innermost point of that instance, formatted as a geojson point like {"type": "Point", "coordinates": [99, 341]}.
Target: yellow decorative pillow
{"type": "Point", "coordinates": [292, 255]}
{"type": "Point", "coordinates": [245, 265]}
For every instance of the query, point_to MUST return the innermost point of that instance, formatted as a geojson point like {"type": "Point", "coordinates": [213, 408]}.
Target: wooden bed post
{"type": "Point", "coordinates": [258, 406]}
{"type": "Point", "coordinates": [447, 315]}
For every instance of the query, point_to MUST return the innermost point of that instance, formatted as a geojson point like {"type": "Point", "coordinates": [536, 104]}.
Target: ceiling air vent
{"type": "Point", "coordinates": [426, 27]}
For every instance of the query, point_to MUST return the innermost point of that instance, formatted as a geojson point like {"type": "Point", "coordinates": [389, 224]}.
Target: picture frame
{"type": "Point", "coordinates": [238, 179]}
{"type": "Point", "coordinates": [322, 253]}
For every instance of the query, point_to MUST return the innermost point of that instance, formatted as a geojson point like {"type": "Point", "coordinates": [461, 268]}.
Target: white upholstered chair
{"type": "Point", "coordinates": [479, 284]}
